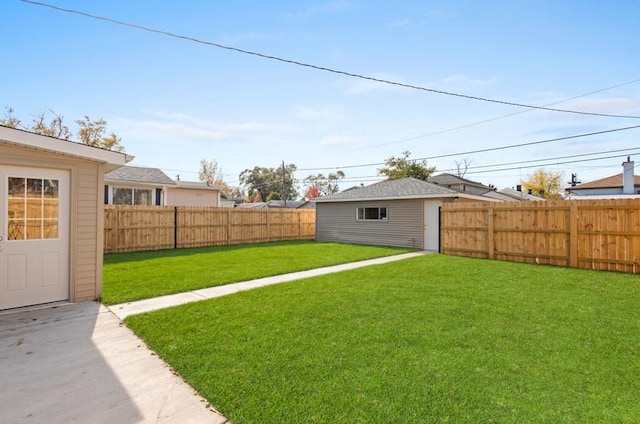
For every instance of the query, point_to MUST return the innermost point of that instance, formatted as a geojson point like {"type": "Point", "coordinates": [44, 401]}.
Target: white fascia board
{"type": "Point", "coordinates": [34, 141]}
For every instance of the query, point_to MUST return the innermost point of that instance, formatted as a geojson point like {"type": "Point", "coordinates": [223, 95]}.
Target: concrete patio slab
{"type": "Point", "coordinates": [77, 363]}
{"type": "Point", "coordinates": [123, 310]}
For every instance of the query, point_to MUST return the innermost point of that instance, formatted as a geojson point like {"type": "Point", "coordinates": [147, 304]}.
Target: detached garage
{"type": "Point", "coordinates": [51, 218]}
{"type": "Point", "coordinates": [403, 213]}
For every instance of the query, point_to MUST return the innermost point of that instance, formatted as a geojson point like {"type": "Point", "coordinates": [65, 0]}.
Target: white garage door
{"type": "Point", "coordinates": [34, 232]}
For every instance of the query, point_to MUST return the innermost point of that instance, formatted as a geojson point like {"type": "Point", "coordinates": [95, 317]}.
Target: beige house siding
{"type": "Point", "coordinates": [336, 222]}
{"type": "Point", "coordinates": [88, 263]}
{"type": "Point", "coordinates": [176, 196]}
{"type": "Point", "coordinates": [85, 256]}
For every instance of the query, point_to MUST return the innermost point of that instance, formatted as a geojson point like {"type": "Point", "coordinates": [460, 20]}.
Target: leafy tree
{"type": "Point", "coordinates": [270, 182]}
{"type": "Point", "coordinates": [273, 196]}
{"type": "Point", "coordinates": [402, 167]}
{"type": "Point", "coordinates": [545, 184]}
{"type": "Point", "coordinates": [9, 120]}
{"type": "Point", "coordinates": [54, 128]}
{"type": "Point", "coordinates": [211, 174]}
{"type": "Point", "coordinates": [91, 133]}
{"type": "Point", "coordinates": [319, 185]}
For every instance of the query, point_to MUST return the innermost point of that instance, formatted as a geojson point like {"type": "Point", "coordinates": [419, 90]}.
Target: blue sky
{"type": "Point", "coordinates": [175, 102]}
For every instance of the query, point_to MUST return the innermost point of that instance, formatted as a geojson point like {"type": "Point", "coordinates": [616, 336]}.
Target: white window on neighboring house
{"type": "Point", "coordinates": [132, 196]}
{"type": "Point", "coordinates": [378, 213]}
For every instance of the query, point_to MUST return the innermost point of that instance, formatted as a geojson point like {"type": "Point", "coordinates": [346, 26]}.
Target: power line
{"type": "Point", "coordinates": [491, 149]}
{"type": "Point", "coordinates": [549, 164]}
{"type": "Point", "coordinates": [627, 151]}
{"type": "Point", "coordinates": [317, 67]}
{"type": "Point", "coordinates": [498, 169]}
{"type": "Point", "coordinates": [497, 118]}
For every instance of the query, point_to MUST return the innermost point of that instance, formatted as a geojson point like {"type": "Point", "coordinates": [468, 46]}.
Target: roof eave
{"type": "Point", "coordinates": [16, 137]}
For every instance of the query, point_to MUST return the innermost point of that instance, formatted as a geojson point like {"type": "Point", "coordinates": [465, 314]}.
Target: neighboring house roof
{"type": "Point", "coordinates": [405, 188]}
{"type": "Point", "coordinates": [464, 185]}
{"type": "Point", "coordinates": [614, 181]}
{"type": "Point", "coordinates": [292, 204]}
{"type": "Point", "coordinates": [498, 196]}
{"type": "Point", "coordinates": [195, 185]}
{"type": "Point", "coordinates": [254, 205]}
{"type": "Point", "coordinates": [451, 180]}
{"type": "Point", "coordinates": [45, 143]}
{"type": "Point", "coordinates": [140, 175]}
{"type": "Point", "coordinates": [308, 204]}
{"type": "Point", "coordinates": [518, 195]}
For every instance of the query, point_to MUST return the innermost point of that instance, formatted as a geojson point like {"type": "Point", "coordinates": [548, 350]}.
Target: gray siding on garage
{"type": "Point", "coordinates": [336, 222]}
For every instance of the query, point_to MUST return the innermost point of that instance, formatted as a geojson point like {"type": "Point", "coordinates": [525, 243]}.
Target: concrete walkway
{"type": "Point", "coordinates": [77, 363]}
{"type": "Point", "coordinates": [123, 310]}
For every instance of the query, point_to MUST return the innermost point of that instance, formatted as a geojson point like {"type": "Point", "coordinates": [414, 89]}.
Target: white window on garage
{"type": "Point", "coordinates": [378, 213]}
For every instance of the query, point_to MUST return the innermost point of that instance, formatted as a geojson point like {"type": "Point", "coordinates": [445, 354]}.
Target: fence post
{"type": "Point", "coordinates": [116, 230]}
{"type": "Point", "coordinates": [490, 232]}
{"type": "Point", "coordinates": [439, 230]}
{"type": "Point", "coordinates": [573, 235]}
{"type": "Point", "coordinates": [228, 226]}
{"type": "Point", "coordinates": [266, 211]}
{"type": "Point", "coordinates": [175, 227]}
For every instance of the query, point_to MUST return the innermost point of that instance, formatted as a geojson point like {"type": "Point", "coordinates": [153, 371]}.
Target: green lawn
{"type": "Point", "coordinates": [134, 276]}
{"type": "Point", "coordinates": [427, 340]}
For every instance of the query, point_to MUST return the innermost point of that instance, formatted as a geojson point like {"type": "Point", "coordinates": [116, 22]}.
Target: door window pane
{"type": "Point", "coordinates": [16, 187]}
{"type": "Point", "coordinates": [50, 189]}
{"type": "Point", "coordinates": [34, 188]}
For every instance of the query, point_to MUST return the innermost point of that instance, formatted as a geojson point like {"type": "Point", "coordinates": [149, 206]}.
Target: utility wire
{"type": "Point", "coordinates": [499, 169]}
{"type": "Point", "coordinates": [491, 149]}
{"type": "Point", "coordinates": [319, 68]}
{"type": "Point", "coordinates": [548, 164]}
{"type": "Point", "coordinates": [476, 167]}
{"type": "Point", "coordinates": [497, 118]}
{"type": "Point", "coordinates": [628, 150]}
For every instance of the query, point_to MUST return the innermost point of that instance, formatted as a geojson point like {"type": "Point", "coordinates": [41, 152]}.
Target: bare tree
{"type": "Point", "coordinates": [462, 167]}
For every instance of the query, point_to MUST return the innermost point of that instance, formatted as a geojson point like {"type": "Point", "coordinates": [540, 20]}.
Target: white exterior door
{"type": "Point", "coordinates": [432, 225]}
{"type": "Point", "coordinates": [34, 236]}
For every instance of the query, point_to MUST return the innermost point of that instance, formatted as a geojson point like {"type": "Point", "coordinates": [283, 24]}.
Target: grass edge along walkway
{"type": "Point", "coordinates": [124, 310]}
{"type": "Point", "coordinates": [144, 275]}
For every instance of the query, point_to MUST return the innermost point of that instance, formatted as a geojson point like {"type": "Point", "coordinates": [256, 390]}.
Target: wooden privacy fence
{"type": "Point", "coordinates": [591, 234]}
{"type": "Point", "coordinates": [137, 228]}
